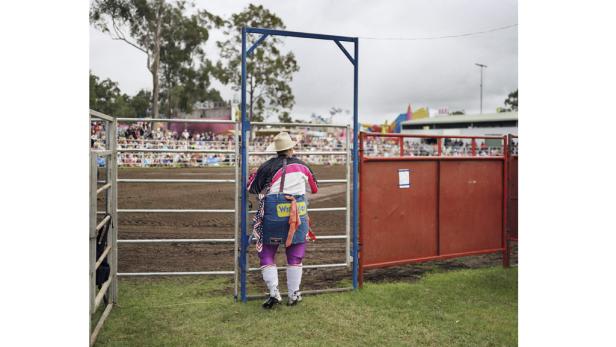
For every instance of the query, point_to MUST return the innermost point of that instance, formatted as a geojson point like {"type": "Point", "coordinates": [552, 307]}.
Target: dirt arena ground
{"type": "Point", "coordinates": [209, 257]}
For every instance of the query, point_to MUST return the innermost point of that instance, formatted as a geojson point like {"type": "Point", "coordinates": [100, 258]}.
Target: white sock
{"type": "Point", "coordinates": [294, 278]}
{"type": "Point", "coordinates": [270, 276]}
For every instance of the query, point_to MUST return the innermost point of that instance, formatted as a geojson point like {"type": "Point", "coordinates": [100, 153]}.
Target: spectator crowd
{"type": "Point", "coordinates": [141, 136]}
{"type": "Point", "coordinates": [414, 147]}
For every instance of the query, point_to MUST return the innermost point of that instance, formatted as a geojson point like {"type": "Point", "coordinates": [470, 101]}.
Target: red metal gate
{"type": "Point", "coordinates": [453, 205]}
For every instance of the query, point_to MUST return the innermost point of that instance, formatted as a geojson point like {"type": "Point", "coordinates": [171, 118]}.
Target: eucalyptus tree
{"type": "Point", "coordinates": [171, 34]}
{"type": "Point", "coordinates": [512, 100]}
{"type": "Point", "coordinates": [270, 71]}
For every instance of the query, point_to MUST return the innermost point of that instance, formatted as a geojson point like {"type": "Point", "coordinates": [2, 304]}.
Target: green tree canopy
{"type": "Point", "coordinates": [106, 97]}
{"type": "Point", "coordinates": [141, 103]}
{"type": "Point", "coordinates": [270, 71]}
{"type": "Point", "coordinates": [171, 38]}
{"type": "Point", "coordinates": [284, 117]}
{"type": "Point", "coordinates": [187, 86]}
{"type": "Point", "coordinates": [512, 100]}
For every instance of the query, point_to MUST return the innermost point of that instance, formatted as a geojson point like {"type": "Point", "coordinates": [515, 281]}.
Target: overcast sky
{"type": "Point", "coordinates": [392, 74]}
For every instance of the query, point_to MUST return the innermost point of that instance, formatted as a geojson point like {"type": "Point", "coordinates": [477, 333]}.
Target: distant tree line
{"type": "Point", "coordinates": [106, 97]}
{"type": "Point", "coordinates": [511, 103]}
{"type": "Point", "coordinates": [172, 35]}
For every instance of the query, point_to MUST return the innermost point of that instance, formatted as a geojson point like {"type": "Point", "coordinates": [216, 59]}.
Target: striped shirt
{"type": "Point", "coordinates": [297, 176]}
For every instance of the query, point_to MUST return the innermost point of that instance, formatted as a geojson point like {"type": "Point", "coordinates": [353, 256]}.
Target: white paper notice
{"type": "Point", "coordinates": [404, 179]}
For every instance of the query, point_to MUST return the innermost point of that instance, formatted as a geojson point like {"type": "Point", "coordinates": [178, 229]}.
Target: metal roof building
{"type": "Point", "coordinates": [478, 124]}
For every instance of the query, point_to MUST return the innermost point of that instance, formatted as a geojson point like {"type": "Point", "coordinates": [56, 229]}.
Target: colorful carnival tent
{"type": "Point", "coordinates": [396, 125]}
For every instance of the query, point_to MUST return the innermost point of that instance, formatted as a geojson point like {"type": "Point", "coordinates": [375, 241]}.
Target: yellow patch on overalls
{"type": "Point", "coordinates": [284, 209]}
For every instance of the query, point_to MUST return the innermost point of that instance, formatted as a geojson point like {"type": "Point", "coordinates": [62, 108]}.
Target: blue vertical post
{"type": "Point", "coordinates": [244, 214]}
{"type": "Point", "coordinates": [355, 165]}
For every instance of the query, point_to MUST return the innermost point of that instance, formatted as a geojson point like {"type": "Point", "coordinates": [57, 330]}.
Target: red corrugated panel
{"type": "Point", "coordinates": [398, 223]}
{"type": "Point", "coordinates": [471, 206]}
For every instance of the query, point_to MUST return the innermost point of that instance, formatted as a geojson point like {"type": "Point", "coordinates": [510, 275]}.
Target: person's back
{"type": "Point", "coordinates": [282, 216]}
{"type": "Point", "coordinates": [297, 175]}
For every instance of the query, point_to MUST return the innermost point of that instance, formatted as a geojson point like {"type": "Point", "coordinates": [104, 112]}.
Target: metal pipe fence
{"type": "Point", "coordinates": [173, 157]}
{"type": "Point", "coordinates": [208, 144]}
{"type": "Point", "coordinates": [174, 210]}
{"type": "Point", "coordinates": [174, 180]}
{"type": "Point", "coordinates": [391, 145]}
{"type": "Point", "coordinates": [174, 273]}
{"type": "Point", "coordinates": [108, 291]}
{"type": "Point", "coordinates": [126, 148]}
{"type": "Point", "coordinates": [176, 240]}
{"type": "Point", "coordinates": [234, 151]}
{"type": "Point", "coordinates": [157, 148]}
{"type": "Point", "coordinates": [109, 152]}
{"type": "Point", "coordinates": [346, 154]}
{"type": "Point", "coordinates": [174, 120]}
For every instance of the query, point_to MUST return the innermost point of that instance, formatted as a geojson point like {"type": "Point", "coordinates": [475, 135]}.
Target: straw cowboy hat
{"type": "Point", "coordinates": [282, 142]}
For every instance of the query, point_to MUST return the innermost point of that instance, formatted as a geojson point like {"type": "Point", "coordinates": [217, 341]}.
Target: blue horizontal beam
{"type": "Point", "coordinates": [299, 34]}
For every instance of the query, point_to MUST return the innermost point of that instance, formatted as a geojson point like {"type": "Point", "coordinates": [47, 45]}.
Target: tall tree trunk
{"type": "Point", "coordinates": [155, 88]}
{"type": "Point", "coordinates": [167, 94]}
{"type": "Point", "coordinates": [156, 64]}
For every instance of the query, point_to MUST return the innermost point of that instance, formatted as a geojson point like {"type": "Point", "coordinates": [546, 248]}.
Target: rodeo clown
{"type": "Point", "coordinates": [282, 216]}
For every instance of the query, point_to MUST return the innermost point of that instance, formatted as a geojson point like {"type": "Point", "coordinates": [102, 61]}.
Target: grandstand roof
{"type": "Point", "coordinates": [467, 118]}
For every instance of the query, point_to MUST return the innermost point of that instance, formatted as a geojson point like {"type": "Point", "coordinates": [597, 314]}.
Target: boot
{"type": "Point", "coordinates": [271, 301]}
{"type": "Point", "coordinates": [294, 299]}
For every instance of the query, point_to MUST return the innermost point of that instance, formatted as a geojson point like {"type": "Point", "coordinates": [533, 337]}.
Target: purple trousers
{"type": "Point", "coordinates": [295, 254]}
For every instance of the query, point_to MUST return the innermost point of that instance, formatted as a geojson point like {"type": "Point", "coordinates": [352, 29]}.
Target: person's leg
{"type": "Point", "coordinates": [267, 259]}
{"type": "Point", "coordinates": [295, 255]}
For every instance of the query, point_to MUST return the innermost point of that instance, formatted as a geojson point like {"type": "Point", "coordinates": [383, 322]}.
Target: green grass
{"type": "Point", "coordinates": [457, 308]}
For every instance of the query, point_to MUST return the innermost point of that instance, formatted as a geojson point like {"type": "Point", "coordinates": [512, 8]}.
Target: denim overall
{"type": "Point", "coordinates": [276, 216]}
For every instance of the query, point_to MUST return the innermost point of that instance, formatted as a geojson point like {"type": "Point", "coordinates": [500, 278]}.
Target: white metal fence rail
{"type": "Point", "coordinates": [108, 187]}
{"type": "Point", "coordinates": [235, 210]}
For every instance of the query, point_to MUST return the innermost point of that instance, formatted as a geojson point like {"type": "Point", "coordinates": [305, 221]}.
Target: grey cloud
{"type": "Point", "coordinates": [434, 73]}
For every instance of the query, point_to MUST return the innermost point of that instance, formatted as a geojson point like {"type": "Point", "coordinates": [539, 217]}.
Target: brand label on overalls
{"type": "Point", "coordinates": [284, 209]}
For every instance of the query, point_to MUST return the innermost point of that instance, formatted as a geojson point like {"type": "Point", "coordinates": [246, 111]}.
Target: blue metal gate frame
{"type": "Point", "coordinates": [244, 237]}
